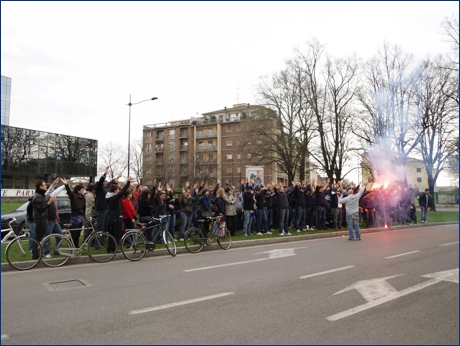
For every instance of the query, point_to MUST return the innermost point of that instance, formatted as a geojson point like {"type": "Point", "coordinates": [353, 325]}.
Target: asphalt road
{"type": "Point", "coordinates": [393, 287]}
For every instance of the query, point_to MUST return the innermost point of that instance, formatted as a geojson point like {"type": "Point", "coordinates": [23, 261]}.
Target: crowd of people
{"type": "Point", "coordinates": [254, 209]}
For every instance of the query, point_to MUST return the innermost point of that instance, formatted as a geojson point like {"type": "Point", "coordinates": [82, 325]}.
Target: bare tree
{"type": "Point", "coordinates": [329, 92]}
{"type": "Point", "coordinates": [389, 120]}
{"type": "Point", "coordinates": [273, 135]}
{"type": "Point", "coordinates": [450, 31]}
{"type": "Point", "coordinates": [439, 125]}
{"type": "Point", "coordinates": [137, 152]}
{"type": "Point", "coordinates": [112, 156]}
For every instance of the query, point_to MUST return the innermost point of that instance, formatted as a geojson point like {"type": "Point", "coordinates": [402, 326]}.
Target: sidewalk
{"type": "Point", "coordinates": [243, 243]}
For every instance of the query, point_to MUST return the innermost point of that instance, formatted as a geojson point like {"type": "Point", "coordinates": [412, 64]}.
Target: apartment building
{"type": "Point", "coordinates": [207, 148]}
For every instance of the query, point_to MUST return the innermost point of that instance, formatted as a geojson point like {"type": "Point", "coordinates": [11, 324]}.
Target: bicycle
{"type": "Point", "coordinates": [134, 244]}
{"type": "Point", "coordinates": [64, 247]}
{"type": "Point", "coordinates": [196, 238]}
{"type": "Point", "coordinates": [17, 251]}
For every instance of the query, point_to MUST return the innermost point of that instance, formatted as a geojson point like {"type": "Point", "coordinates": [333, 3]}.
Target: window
{"type": "Point", "coordinates": [149, 147]}
{"type": "Point", "coordinates": [419, 170]}
{"type": "Point", "coordinates": [419, 180]}
{"type": "Point", "coordinates": [229, 142]}
{"type": "Point", "coordinates": [229, 128]}
{"type": "Point", "coordinates": [238, 156]}
{"type": "Point", "coordinates": [238, 169]}
{"type": "Point", "coordinates": [229, 157]}
{"type": "Point", "coordinates": [210, 157]}
{"type": "Point", "coordinates": [229, 169]}
{"type": "Point", "coordinates": [148, 134]}
{"type": "Point", "coordinates": [249, 155]}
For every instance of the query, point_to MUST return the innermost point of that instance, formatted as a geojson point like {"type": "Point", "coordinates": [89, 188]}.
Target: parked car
{"type": "Point", "coordinates": [20, 214]}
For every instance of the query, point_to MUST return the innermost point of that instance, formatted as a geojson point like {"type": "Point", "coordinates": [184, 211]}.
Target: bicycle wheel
{"type": "Point", "coordinates": [60, 250]}
{"type": "Point", "coordinates": [95, 247]}
{"type": "Point", "coordinates": [224, 238]}
{"type": "Point", "coordinates": [169, 243]}
{"type": "Point", "coordinates": [194, 240]}
{"type": "Point", "coordinates": [18, 255]}
{"type": "Point", "coordinates": [134, 245]}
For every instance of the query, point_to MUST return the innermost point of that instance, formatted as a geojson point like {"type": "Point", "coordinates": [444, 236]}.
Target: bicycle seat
{"type": "Point", "coordinates": [200, 221]}
{"type": "Point", "coordinates": [67, 225]}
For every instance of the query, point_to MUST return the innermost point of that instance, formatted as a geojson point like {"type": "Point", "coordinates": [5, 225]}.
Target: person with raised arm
{"type": "Point", "coordinates": [352, 211]}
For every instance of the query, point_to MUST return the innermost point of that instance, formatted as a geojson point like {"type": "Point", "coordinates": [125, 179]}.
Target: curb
{"type": "Point", "coordinates": [242, 243]}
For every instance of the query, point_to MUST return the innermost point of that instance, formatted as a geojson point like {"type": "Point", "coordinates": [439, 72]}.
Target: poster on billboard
{"type": "Point", "coordinates": [255, 173]}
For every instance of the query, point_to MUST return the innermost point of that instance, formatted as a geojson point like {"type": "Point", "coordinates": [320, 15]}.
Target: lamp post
{"type": "Point", "coordinates": [129, 125]}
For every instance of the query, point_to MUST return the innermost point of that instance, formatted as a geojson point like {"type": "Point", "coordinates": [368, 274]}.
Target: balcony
{"type": "Point", "coordinates": [159, 150]}
{"type": "Point", "coordinates": [159, 138]}
{"type": "Point", "coordinates": [183, 147]}
{"type": "Point", "coordinates": [206, 135]}
{"type": "Point", "coordinates": [206, 148]}
{"type": "Point", "coordinates": [183, 134]}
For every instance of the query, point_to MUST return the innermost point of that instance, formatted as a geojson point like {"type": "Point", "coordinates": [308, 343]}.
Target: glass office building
{"type": "Point", "coordinates": [30, 155]}
{"type": "Point", "coordinates": [6, 99]}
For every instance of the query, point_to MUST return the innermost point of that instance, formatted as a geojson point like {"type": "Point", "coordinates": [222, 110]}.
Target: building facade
{"type": "Point", "coordinates": [31, 155]}
{"type": "Point", "coordinates": [206, 149]}
{"type": "Point", "coordinates": [6, 100]}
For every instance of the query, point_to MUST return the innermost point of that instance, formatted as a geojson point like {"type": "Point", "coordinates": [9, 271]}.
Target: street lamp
{"type": "Point", "coordinates": [129, 126]}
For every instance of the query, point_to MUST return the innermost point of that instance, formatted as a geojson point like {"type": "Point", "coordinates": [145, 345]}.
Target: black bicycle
{"type": "Point", "coordinates": [196, 238]}
{"type": "Point", "coordinates": [134, 243]}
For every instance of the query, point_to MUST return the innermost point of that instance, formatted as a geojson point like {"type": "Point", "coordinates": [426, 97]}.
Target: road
{"type": "Point", "coordinates": [393, 287]}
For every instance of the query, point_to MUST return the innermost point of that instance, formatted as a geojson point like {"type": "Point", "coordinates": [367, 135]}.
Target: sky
{"type": "Point", "coordinates": [74, 64]}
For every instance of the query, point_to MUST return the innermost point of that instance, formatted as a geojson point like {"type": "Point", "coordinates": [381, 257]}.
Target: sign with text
{"type": "Point", "coordinates": [18, 192]}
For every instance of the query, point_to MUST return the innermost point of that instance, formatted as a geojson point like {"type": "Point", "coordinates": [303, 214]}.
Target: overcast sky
{"type": "Point", "coordinates": [74, 64]}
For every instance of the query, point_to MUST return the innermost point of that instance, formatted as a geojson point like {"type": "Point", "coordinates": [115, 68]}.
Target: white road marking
{"type": "Point", "coordinates": [325, 272]}
{"type": "Point", "coordinates": [372, 289]}
{"type": "Point", "coordinates": [402, 254]}
{"type": "Point", "coordinates": [278, 253]}
{"type": "Point", "coordinates": [447, 275]}
{"type": "Point", "coordinates": [225, 265]}
{"type": "Point", "coordinates": [184, 302]}
{"type": "Point", "coordinates": [4, 336]}
{"type": "Point", "coordinates": [456, 242]}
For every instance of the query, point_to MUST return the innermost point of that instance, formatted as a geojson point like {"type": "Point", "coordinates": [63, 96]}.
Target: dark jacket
{"type": "Point", "coordinates": [114, 203]}
{"type": "Point", "coordinates": [248, 200]}
{"type": "Point", "coordinates": [40, 206]}
{"type": "Point", "coordinates": [101, 191]}
{"type": "Point", "coordinates": [282, 199]}
{"type": "Point", "coordinates": [77, 201]}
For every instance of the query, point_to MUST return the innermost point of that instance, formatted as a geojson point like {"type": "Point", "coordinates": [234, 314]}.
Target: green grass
{"type": "Point", "coordinates": [433, 216]}
{"type": "Point", "coordinates": [10, 206]}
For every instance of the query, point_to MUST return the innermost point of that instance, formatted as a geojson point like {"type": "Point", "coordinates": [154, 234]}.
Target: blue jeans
{"type": "Point", "coordinates": [299, 222]}
{"type": "Point", "coordinates": [247, 222]}
{"type": "Point", "coordinates": [172, 223]}
{"type": "Point", "coordinates": [320, 217]}
{"type": "Point", "coordinates": [185, 222]}
{"type": "Point", "coordinates": [283, 219]}
{"type": "Point", "coordinates": [261, 221]}
{"type": "Point", "coordinates": [424, 212]}
{"type": "Point", "coordinates": [31, 232]}
{"type": "Point", "coordinates": [353, 223]}
{"type": "Point", "coordinates": [102, 218]}
{"type": "Point", "coordinates": [51, 228]}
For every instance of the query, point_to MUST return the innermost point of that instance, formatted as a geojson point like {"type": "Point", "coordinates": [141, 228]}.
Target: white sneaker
{"type": "Point", "coordinates": [259, 233]}
{"type": "Point", "coordinates": [181, 239]}
{"type": "Point", "coordinates": [312, 228]}
{"type": "Point", "coordinates": [48, 256]}
{"type": "Point", "coordinates": [269, 232]}
{"type": "Point", "coordinates": [245, 235]}
{"type": "Point", "coordinates": [298, 231]}
{"type": "Point", "coordinates": [282, 233]}
{"type": "Point", "coordinates": [288, 233]}
{"type": "Point", "coordinates": [304, 230]}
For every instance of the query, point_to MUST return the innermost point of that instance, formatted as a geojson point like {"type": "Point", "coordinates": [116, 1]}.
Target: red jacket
{"type": "Point", "coordinates": [128, 209]}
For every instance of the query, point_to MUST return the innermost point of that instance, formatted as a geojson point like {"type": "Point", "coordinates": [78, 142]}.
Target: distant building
{"type": "Point", "coordinates": [6, 99]}
{"type": "Point", "coordinates": [31, 155]}
{"type": "Point", "coordinates": [415, 173]}
{"type": "Point", "coordinates": [205, 149]}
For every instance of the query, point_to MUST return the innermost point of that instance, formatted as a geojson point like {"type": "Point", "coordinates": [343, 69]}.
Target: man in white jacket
{"type": "Point", "coordinates": [352, 211]}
